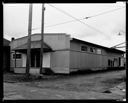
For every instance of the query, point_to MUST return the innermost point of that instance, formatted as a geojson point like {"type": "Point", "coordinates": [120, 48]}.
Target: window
{"type": "Point", "coordinates": [17, 56]}
{"type": "Point", "coordinates": [94, 50]}
{"type": "Point", "coordinates": [98, 51]}
{"type": "Point", "coordinates": [91, 50]}
{"type": "Point", "coordinates": [84, 48]}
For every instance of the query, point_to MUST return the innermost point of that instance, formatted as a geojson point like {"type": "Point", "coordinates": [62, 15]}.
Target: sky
{"type": "Point", "coordinates": [99, 29]}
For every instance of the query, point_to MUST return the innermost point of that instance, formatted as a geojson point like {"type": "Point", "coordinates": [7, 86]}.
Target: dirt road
{"type": "Point", "coordinates": [98, 82]}
{"type": "Point", "coordinates": [76, 86]}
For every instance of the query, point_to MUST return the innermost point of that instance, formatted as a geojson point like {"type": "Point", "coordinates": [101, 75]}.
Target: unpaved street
{"type": "Point", "coordinates": [76, 86]}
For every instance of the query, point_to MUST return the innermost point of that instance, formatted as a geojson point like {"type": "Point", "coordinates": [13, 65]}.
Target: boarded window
{"type": "Point", "coordinates": [98, 51]}
{"type": "Point", "coordinates": [17, 56]}
{"type": "Point", "coordinates": [84, 48]}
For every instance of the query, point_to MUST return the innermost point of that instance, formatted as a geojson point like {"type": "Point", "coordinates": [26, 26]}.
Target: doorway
{"type": "Point", "coordinates": [35, 59]}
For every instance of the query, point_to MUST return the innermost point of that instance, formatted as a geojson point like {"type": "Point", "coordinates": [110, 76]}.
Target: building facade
{"type": "Point", "coordinates": [63, 54]}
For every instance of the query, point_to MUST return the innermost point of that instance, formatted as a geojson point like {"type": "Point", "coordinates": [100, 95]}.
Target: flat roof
{"type": "Point", "coordinates": [40, 34]}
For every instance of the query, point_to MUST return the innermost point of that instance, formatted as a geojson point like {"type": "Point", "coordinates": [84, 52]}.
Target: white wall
{"type": "Point", "coordinates": [55, 41]}
{"type": "Point", "coordinates": [60, 61]}
{"type": "Point", "coordinates": [46, 60]}
{"type": "Point", "coordinates": [24, 60]}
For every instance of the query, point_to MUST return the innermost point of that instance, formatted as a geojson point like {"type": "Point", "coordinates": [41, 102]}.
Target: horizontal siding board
{"type": "Point", "coordinates": [60, 61]}
{"type": "Point", "coordinates": [83, 60]}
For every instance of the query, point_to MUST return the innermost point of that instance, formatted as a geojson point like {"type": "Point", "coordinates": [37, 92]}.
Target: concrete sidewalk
{"type": "Point", "coordinates": [14, 91]}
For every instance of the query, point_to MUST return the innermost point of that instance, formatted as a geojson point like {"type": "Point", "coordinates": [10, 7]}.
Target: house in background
{"type": "Point", "coordinates": [63, 54]}
{"type": "Point", "coordinates": [6, 55]}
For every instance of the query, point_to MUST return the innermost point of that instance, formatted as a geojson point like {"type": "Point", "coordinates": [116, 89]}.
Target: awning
{"type": "Point", "coordinates": [34, 45]}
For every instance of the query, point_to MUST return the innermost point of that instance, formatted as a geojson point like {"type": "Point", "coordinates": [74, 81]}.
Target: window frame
{"type": "Point", "coordinates": [13, 54]}
{"type": "Point", "coordinates": [83, 49]}
{"type": "Point", "coordinates": [98, 52]}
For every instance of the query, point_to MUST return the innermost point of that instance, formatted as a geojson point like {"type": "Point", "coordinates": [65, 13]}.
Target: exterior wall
{"type": "Point", "coordinates": [22, 70]}
{"type": "Point", "coordinates": [81, 60]}
{"type": "Point", "coordinates": [22, 62]}
{"type": "Point", "coordinates": [55, 41]}
{"type": "Point", "coordinates": [86, 60]}
{"type": "Point", "coordinates": [46, 60]}
{"type": "Point", "coordinates": [18, 61]}
{"type": "Point", "coordinates": [60, 61]}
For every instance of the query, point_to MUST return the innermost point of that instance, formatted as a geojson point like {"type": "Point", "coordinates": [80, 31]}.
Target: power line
{"type": "Point", "coordinates": [118, 44]}
{"type": "Point", "coordinates": [58, 24]}
{"type": "Point", "coordinates": [103, 13]}
{"type": "Point", "coordinates": [80, 19]}
{"type": "Point", "coordinates": [75, 18]}
{"type": "Point", "coordinates": [63, 23]}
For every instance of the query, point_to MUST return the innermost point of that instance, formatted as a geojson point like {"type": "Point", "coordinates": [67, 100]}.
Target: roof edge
{"type": "Point", "coordinates": [40, 34]}
{"type": "Point", "coordinates": [97, 45]}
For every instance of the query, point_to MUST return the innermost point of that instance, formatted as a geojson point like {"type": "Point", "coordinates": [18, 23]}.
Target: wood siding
{"type": "Point", "coordinates": [60, 61]}
{"type": "Point", "coordinates": [80, 60]}
{"type": "Point", "coordinates": [55, 41]}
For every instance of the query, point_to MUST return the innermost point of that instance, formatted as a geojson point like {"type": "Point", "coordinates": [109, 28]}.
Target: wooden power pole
{"type": "Point", "coordinates": [28, 63]}
{"type": "Point", "coordinates": [42, 40]}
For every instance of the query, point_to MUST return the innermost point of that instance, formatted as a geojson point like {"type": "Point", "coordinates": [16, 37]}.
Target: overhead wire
{"type": "Point", "coordinates": [84, 18]}
{"type": "Point", "coordinates": [75, 18]}
{"type": "Point", "coordinates": [78, 19]}
{"type": "Point", "coordinates": [119, 44]}
{"type": "Point", "coordinates": [104, 12]}
{"type": "Point", "coordinates": [58, 24]}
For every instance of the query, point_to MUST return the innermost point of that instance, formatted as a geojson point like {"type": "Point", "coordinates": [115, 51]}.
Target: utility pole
{"type": "Point", "coordinates": [42, 40]}
{"type": "Point", "coordinates": [28, 63]}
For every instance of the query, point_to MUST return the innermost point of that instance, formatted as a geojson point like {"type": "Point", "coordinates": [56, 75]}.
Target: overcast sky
{"type": "Point", "coordinates": [101, 29]}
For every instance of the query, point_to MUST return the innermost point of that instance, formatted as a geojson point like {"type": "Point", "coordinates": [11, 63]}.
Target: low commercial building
{"type": "Point", "coordinates": [63, 54]}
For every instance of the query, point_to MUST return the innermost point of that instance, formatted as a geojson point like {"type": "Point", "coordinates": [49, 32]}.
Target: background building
{"type": "Point", "coordinates": [6, 55]}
